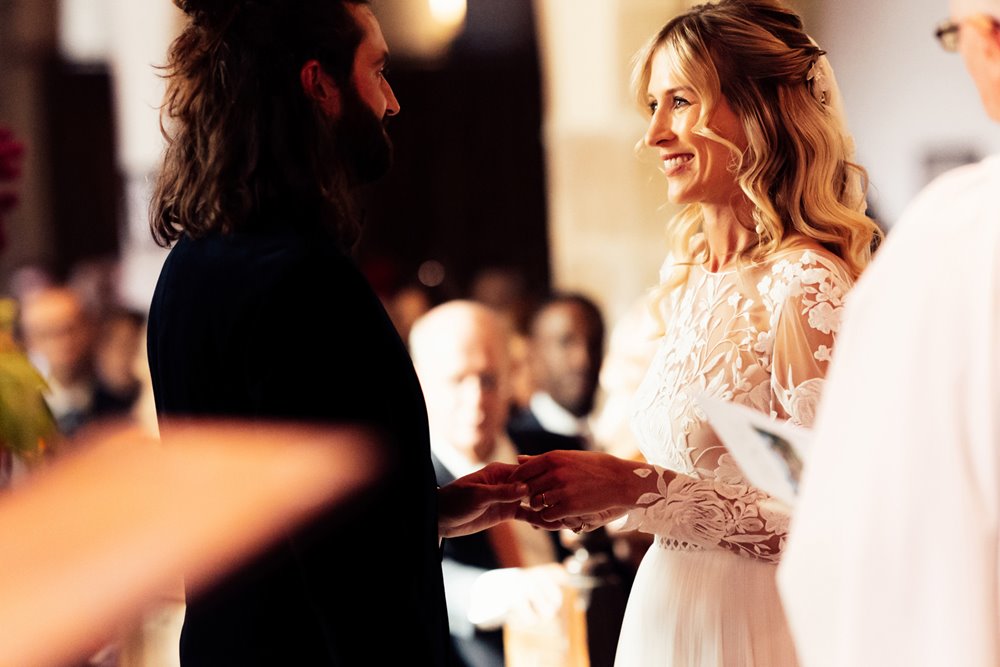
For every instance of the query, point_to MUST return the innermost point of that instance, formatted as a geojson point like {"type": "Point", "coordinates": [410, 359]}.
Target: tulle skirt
{"type": "Point", "coordinates": [705, 608]}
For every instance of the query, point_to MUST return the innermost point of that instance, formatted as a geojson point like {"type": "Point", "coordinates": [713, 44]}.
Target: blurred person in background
{"type": "Point", "coordinates": [59, 336]}
{"type": "Point", "coordinates": [97, 282]}
{"type": "Point", "coordinates": [565, 349]}
{"type": "Point", "coordinates": [275, 114]}
{"type": "Point", "coordinates": [120, 340]}
{"type": "Point", "coordinates": [892, 557]}
{"type": "Point", "coordinates": [505, 290]}
{"type": "Point", "coordinates": [29, 278]}
{"type": "Point", "coordinates": [745, 116]}
{"type": "Point", "coordinates": [460, 351]}
{"type": "Point", "coordinates": [631, 347]}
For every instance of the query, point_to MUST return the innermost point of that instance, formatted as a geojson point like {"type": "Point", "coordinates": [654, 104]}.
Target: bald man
{"type": "Point", "coordinates": [893, 556]}
{"type": "Point", "coordinates": [460, 352]}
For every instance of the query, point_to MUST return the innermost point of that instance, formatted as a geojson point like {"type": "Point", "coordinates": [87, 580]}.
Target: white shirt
{"type": "Point", "coordinates": [496, 593]}
{"type": "Point", "coordinates": [893, 553]}
{"type": "Point", "coordinates": [554, 418]}
{"type": "Point", "coordinates": [65, 399]}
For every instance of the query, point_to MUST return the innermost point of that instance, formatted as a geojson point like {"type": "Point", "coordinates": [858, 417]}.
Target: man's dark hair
{"type": "Point", "coordinates": [574, 298]}
{"type": "Point", "coordinates": [245, 146]}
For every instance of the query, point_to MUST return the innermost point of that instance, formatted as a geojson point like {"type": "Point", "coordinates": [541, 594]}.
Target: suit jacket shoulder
{"type": "Point", "coordinates": [531, 438]}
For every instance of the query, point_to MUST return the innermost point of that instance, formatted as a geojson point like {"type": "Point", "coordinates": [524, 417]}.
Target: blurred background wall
{"type": "Point", "coordinates": [515, 146]}
{"type": "Point", "coordinates": [912, 106]}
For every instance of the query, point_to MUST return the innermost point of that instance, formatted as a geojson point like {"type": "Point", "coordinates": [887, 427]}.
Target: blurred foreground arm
{"type": "Point", "coordinates": [92, 540]}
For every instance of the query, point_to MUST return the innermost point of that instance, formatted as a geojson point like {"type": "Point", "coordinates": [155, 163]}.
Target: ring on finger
{"type": "Point", "coordinates": [544, 503]}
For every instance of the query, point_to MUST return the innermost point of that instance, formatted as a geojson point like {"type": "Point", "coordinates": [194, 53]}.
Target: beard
{"type": "Point", "coordinates": [364, 144]}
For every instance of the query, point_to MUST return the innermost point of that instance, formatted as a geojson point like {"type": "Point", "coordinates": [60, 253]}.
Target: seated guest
{"type": "Point", "coordinates": [631, 346]}
{"type": "Point", "coordinates": [59, 338]}
{"type": "Point", "coordinates": [120, 343]}
{"type": "Point", "coordinates": [565, 347]}
{"type": "Point", "coordinates": [460, 352]}
{"type": "Point", "coordinates": [565, 350]}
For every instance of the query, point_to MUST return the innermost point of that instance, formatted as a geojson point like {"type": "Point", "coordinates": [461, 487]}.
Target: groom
{"type": "Point", "coordinates": [276, 113]}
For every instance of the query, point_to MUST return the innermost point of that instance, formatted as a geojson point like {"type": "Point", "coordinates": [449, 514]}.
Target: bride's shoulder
{"type": "Point", "coordinates": [803, 252]}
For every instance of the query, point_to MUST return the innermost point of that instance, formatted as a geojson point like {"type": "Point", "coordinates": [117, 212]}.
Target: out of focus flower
{"type": "Point", "coordinates": [27, 428]}
{"type": "Point", "coordinates": [10, 155]}
{"type": "Point", "coordinates": [11, 152]}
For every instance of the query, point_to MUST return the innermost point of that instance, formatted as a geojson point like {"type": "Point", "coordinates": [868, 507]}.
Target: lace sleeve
{"type": "Point", "coordinates": [807, 324]}
{"type": "Point", "coordinates": [719, 510]}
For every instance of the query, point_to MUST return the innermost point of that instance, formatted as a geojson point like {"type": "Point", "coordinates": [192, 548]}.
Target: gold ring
{"type": "Point", "coordinates": [544, 504]}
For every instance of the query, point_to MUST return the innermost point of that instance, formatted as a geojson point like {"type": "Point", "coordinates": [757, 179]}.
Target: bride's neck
{"type": "Point", "coordinates": [727, 235]}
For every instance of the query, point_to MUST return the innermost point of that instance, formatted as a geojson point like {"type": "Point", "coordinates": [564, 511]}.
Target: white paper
{"type": "Point", "coordinates": [769, 452]}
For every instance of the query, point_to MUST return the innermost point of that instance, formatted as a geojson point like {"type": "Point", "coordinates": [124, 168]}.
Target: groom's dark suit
{"type": "Point", "coordinates": [280, 325]}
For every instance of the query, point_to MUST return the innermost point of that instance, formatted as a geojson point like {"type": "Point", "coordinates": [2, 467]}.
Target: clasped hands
{"type": "Point", "coordinates": [561, 489]}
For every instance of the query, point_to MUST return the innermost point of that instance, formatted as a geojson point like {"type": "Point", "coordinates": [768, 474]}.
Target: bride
{"type": "Point", "coordinates": [745, 116]}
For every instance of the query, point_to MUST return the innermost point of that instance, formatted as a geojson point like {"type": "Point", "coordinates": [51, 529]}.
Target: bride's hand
{"type": "Point", "coordinates": [567, 484]}
{"type": "Point", "coordinates": [578, 524]}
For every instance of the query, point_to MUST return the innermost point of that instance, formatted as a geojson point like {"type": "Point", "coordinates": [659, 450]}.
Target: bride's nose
{"type": "Point", "coordinates": [660, 130]}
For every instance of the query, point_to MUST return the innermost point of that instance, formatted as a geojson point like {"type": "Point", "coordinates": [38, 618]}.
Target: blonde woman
{"type": "Point", "coordinates": [744, 114]}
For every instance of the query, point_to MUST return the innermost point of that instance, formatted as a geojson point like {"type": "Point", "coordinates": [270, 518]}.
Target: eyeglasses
{"type": "Point", "coordinates": [947, 35]}
{"type": "Point", "coordinates": [947, 32]}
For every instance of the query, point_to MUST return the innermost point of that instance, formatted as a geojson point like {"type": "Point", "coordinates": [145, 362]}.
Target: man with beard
{"type": "Point", "coordinates": [274, 115]}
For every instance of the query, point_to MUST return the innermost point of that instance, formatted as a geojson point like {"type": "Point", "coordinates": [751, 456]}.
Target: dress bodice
{"type": "Point", "coordinates": [760, 335]}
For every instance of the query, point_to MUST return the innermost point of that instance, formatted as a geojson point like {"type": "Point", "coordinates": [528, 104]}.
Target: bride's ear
{"type": "Point", "coordinates": [320, 88]}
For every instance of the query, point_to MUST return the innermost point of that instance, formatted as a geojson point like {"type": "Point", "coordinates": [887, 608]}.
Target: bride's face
{"type": "Point", "coordinates": [697, 167]}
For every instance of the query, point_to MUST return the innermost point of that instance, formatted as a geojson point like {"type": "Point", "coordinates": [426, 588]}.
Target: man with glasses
{"type": "Point", "coordinates": [894, 550]}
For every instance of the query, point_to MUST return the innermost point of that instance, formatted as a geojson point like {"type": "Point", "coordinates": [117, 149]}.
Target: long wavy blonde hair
{"type": "Point", "coordinates": [797, 169]}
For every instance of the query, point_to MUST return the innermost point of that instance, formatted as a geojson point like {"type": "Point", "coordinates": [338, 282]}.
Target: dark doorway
{"type": "Point", "coordinates": [468, 186]}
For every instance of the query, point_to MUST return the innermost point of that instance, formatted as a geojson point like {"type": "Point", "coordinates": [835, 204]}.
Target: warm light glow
{"type": "Point", "coordinates": [431, 273]}
{"type": "Point", "coordinates": [448, 12]}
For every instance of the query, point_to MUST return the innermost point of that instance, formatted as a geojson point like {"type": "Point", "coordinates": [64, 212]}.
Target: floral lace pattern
{"type": "Point", "coordinates": [760, 336]}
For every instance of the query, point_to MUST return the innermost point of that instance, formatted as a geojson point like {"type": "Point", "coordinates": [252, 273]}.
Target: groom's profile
{"type": "Point", "coordinates": [274, 114]}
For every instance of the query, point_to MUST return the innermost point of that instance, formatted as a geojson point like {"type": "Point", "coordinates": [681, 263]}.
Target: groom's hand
{"type": "Point", "coordinates": [479, 500]}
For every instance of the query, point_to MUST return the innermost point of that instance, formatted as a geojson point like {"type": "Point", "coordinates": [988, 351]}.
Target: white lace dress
{"type": "Point", "coordinates": [705, 594]}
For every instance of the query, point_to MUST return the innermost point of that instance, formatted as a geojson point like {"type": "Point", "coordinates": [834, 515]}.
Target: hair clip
{"type": "Point", "coordinates": [817, 80]}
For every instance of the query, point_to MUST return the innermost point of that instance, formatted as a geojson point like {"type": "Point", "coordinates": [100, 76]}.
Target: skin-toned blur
{"type": "Point", "coordinates": [57, 333]}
